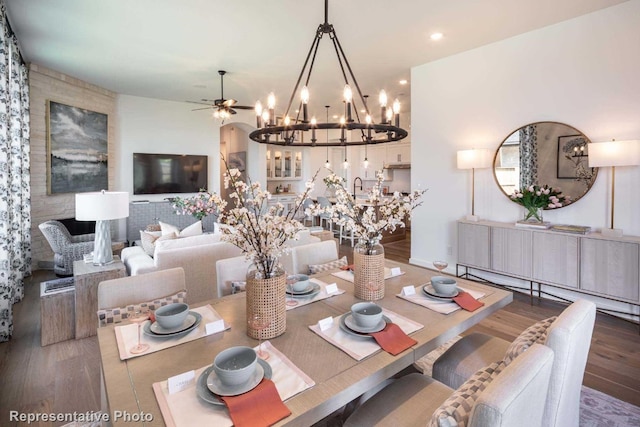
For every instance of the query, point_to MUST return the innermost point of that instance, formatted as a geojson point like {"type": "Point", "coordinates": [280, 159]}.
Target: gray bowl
{"type": "Point", "coordinates": [444, 286]}
{"type": "Point", "coordinates": [366, 314]}
{"type": "Point", "coordinates": [302, 283]}
{"type": "Point", "coordinates": [235, 365]}
{"type": "Point", "coordinates": [172, 315]}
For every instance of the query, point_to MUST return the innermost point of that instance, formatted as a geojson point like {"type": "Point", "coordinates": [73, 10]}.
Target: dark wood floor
{"type": "Point", "coordinates": [64, 377]}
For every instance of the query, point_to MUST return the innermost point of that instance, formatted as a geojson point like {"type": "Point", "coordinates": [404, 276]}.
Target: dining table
{"type": "Point", "coordinates": [339, 378]}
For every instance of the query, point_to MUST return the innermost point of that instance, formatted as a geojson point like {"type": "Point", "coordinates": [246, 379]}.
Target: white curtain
{"type": "Point", "coordinates": [15, 190]}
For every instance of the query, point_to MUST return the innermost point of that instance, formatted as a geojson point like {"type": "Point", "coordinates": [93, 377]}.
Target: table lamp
{"type": "Point", "coordinates": [474, 159]}
{"type": "Point", "coordinates": [102, 207]}
{"type": "Point", "coordinates": [614, 153]}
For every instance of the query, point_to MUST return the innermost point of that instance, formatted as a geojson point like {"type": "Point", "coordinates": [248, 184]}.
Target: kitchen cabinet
{"type": "Point", "coordinates": [377, 157]}
{"type": "Point", "coordinates": [282, 163]}
{"type": "Point", "coordinates": [398, 153]}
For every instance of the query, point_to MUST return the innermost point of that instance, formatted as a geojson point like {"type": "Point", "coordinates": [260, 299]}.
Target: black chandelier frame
{"type": "Point", "coordinates": [293, 134]}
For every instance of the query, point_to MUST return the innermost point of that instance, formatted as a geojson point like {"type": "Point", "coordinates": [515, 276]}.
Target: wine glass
{"type": "Point", "coordinates": [290, 301]}
{"type": "Point", "coordinates": [440, 265]}
{"type": "Point", "coordinates": [140, 315]}
{"type": "Point", "coordinates": [259, 322]}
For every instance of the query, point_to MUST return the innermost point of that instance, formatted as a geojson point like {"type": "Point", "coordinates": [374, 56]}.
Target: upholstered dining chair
{"type": "Point", "coordinates": [231, 270]}
{"type": "Point", "coordinates": [493, 397]}
{"type": "Point", "coordinates": [314, 253]}
{"type": "Point", "coordinates": [135, 289]}
{"type": "Point", "coordinates": [569, 336]}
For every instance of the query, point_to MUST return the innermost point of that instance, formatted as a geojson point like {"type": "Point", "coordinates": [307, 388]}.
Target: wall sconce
{"type": "Point", "coordinates": [474, 159]}
{"type": "Point", "coordinates": [102, 207]}
{"type": "Point", "coordinates": [614, 153]}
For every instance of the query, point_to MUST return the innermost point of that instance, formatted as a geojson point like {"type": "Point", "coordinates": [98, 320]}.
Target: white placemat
{"type": "Point", "coordinates": [444, 307]}
{"type": "Point", "coordinates": [318, 297]}
{"type": "Point", "coordinates": [184, 408]}
{"type": "Point", "coordinates": [127, 335]}
{"type": "Point", "coordinates": [348, 275]}
{"type": "Point", "coordinates": [361, 347]}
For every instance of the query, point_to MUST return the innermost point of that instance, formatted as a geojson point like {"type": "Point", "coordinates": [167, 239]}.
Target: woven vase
{"type": "Point", "coordinates": [368, 280]}
{"type": "Point", "coordinates": [267, 298]}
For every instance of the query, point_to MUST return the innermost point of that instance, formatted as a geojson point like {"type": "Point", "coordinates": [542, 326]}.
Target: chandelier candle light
{"type": "Point", "coordinates": [102, 207]}
{"type": "Point", "coordinates": [292, 131]}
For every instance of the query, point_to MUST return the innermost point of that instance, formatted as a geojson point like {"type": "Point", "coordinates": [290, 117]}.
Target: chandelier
{"type": "Point", "coordinates": [301, 130]}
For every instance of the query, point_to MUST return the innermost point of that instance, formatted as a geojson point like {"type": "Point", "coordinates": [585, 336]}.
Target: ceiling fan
{"type": "Point", "coordinates": [222, 107]}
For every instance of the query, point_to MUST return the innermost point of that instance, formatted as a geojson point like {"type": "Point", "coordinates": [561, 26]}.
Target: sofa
{"type": "Point", "coordinates": [197, 255]}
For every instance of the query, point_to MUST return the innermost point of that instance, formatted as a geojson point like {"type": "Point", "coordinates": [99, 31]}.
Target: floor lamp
{"type": "Point", "coordinates": [614, 153]}
{"type": "Point", "coordinates": [102, 207]}
{"type": "Point", "coordinates": [474, 159]}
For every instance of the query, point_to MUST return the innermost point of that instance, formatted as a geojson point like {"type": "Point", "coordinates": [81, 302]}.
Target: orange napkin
{"type": "Point", "coordinates": [261, 406]}
{"type": "Point", "coordinates": [350, 267]}
{"type": "Point", "coordinates": [467, 302]}
{"type": "Point", "coordinates": [393, 340]}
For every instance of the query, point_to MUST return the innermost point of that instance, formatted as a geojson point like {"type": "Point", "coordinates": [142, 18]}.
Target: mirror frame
{"type": "Point", "coordinates": [577, 131]}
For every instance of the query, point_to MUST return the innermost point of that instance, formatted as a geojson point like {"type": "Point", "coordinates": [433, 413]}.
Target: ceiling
{"type": "Point", "coordinates": [169, 49]}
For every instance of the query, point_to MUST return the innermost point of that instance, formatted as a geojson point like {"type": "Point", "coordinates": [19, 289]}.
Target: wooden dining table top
{"type": "Point", "coordinates": [338, 377]}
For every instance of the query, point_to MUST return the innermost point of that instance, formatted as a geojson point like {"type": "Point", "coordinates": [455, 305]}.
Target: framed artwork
{"type": "Point", "coordinates": [573, 156]}
{"type": "Point", "coordinates": [238, 161]}
{"type": "Point", "coordinates": [77, 149]}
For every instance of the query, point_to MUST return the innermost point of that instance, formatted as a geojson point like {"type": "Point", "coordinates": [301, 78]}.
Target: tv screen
{"type": "Point", "coordinates": [168, 173]}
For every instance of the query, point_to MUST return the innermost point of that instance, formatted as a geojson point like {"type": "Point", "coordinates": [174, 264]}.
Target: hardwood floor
{"type": "Point", "coordinates": [64, 377]}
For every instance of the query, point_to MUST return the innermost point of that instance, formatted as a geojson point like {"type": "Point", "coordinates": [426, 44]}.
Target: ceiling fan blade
{"type": "Point", "coordinates": [243, 107]}
{"type": "Point", "coordinates": [204, 108]}
{"type": "Point", "coordinates": [230, 111]}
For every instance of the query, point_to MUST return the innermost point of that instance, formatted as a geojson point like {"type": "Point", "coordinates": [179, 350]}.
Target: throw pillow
{"type": "Point", "coordinates": [456, 409]}
{"type": "Point", "coordinates": [148, 240]}
{"type": "Point", "coordinates": [238, 286]}
{"type": "Point", "coordinates": [153, 227]}
{"type": "Point", "coordinates": [194, 229]}
{"type": "Point", "coordinates": [116, 315]}
{"type": "Point", "coordinates": [536, 333]}
{"type": "Point", "coordinates": [317, 268]}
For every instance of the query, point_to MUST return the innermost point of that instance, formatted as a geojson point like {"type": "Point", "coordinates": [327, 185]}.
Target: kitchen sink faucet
{"type": "Point", "coordinates": [354, 185]}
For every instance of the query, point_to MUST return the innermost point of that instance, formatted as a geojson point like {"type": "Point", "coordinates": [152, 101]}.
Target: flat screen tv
{"type": "Point", "coordinates": [169, 173]}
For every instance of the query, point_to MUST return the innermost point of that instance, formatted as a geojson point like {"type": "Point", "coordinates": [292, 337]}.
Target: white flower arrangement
{"type": "Point", "coordinates": [258, 229]}
{"type": "Point", "coordinates": [374, 215]}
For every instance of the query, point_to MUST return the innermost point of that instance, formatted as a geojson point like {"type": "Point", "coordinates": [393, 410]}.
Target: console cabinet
{"type": "Point", "coordinates": [592, 264]}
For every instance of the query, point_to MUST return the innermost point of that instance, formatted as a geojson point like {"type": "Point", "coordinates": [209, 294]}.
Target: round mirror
{"type": "Point", "coordinates": [545, 153]}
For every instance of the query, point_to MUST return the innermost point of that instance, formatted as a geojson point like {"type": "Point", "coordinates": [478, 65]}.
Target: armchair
{"type": "Point", "coordinates": [66, 248]}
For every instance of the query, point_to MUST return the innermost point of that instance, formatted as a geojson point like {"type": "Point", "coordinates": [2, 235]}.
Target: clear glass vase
{"type": "Point", "coordinates": [265, 297]}
{"type": "Point", "coordinates": [368, 259]}
{"type": "Point", "coordinates": [533, 214]}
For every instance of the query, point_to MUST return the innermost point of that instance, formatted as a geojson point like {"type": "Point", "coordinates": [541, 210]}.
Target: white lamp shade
{"type": "Point", "coordinates": [614, 153]}
{"type": "Point", "coordinates": [476, 158]}
{"type": "Point", "coordinates": [101, 206]}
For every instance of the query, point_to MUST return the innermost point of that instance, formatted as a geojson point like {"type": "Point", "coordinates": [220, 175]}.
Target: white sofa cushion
{"type": "Point", "coordinates": [186, 242]}
{"type": "Point", "coordinates": [194, 229]}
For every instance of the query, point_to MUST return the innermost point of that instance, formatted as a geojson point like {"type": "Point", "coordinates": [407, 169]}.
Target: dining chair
{"type": "Point", "coordinates": [314, 253]}
{"type": "Point", "coordinates": [231, 270]}
{"type": "Point", "coordinates": [347, 234]}
{"type": "Point", "coordinates": [306, 219]}
{"type": "Point", "coordinates": [130, 290]}
{"type": "Point", "coordinates": [493, 397]}
{"type": "Point", "coordinates": [325, 218]}
{"type": "Point", "coordinates": [569, 336]}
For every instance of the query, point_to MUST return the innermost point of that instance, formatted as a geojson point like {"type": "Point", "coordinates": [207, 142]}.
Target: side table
{"type": "Point", "coordinates": [87, 277]}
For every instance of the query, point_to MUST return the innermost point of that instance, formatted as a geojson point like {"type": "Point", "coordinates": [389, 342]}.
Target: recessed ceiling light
{"type": "Point", "coordinates": [436, 36]}
{"type": "Point", "coordinates": [403, 82]}
{"type": "Point", "coordinates": [335, 116]}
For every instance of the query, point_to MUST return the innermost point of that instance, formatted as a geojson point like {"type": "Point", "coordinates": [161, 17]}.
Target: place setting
{"type": "Point", "coordinates": [366, 329]}
{"type": "Point", "coordinates": [169, 325]}
{"type": "Point", "coordinates": [302, 290]}
{"type": "Point", "coordinates": [442, 294]}
{"type": "Point", "coordinates": [239, 388]}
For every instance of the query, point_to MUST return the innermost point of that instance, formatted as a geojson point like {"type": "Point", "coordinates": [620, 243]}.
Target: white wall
{"type": "Point", "coordinates": [582, 72]}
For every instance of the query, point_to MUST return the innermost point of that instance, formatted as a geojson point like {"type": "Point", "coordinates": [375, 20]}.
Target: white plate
{"type": "Point", "coordinates": [215, 385]}
{"type": "Point", "coordinates": [210, 397]}
{"type": "Point", "coordinates": [146, 329]}
{"type": "Point", "coordinates": [351, 324]}
{"type": "Point", "coordinates": [430, 292]}
{"type": "Point", "coordinates": [188, 322]}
